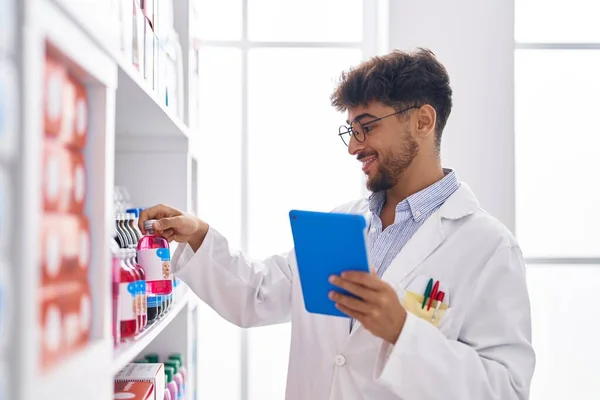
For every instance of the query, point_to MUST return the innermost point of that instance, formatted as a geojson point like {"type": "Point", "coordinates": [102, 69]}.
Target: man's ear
{"type": "Point", "coordinates": [426, 119]}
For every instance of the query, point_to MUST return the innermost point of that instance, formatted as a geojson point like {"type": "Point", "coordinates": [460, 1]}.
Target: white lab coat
{"type": "Point", "coordinates": [480, 351]}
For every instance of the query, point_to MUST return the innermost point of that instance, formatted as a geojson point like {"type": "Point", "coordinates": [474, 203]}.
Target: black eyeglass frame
{"type": "Point", "coordinates": [349, 129]}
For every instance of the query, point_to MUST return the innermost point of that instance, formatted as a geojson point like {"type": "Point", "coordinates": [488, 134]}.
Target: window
{"type": "Point", "coordinates": [556, 82]}
{"type": "Point", "coordinates": [557, 57]}
{"type": "Point", "coordinates": [268, 144]}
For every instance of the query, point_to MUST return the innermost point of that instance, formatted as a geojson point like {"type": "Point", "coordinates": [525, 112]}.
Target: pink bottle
{"type": "Point", "coordinates": [177, 376]}
{"type": "Point", "coordinates": [171, 384]}
{"type": "Point", "coordinates": [141, 286]}
{"type": "Point", "coordinates": [154, 255]}
{"type": "Point", "coordinates": [127, 292]}
{"type": "Point", "coordinates": [116, 278]}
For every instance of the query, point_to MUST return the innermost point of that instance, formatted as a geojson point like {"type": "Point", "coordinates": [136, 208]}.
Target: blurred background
{"type": "Point", "coordinates": [222, 109]}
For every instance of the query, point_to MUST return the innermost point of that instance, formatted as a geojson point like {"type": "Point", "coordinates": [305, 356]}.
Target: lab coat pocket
{"type": "Point", "coordinates": [412, 303]}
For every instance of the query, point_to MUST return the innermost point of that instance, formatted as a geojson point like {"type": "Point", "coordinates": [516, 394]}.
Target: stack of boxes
{"type": "Point", "coordinates": [150, 44]}
{"type": "Point", "coordinates": [9, 101]}
{"type": "Point", "coordinates": [65, 247]}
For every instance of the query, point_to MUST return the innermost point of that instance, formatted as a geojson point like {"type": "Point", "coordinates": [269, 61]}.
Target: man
{"type": "Point", "coordinates": [404, 340]}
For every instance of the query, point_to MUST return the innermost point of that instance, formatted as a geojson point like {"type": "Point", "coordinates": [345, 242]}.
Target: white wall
{"type": "Point", "coordinates": [474, 40]}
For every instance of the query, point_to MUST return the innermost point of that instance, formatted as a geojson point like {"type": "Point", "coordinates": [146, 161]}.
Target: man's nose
{"type": "Point", "coordinates": [354, 146]}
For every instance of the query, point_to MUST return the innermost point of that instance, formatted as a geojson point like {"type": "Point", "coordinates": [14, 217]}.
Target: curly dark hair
{"type": "Point", "coordinates": [399, 79]}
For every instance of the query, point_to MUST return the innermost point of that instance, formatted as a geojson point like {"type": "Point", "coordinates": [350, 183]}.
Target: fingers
{"type": "Point", "coordinates": [361, 291]}
{"type": "Point", "coordinates": [350, 312]}
{"type": "Point", "coordinates": [370, 280]}
{"type": "Point", "coordinates": [350, 302]}
{"type": "Point", "coordinates": [168, 234]}
{"type": "Point", "coordinates": [156, 212]}
{"type": "Point", "coordinates": [168, 223]}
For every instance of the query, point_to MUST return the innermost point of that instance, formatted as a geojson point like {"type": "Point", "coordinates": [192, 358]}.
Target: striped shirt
{"type": "Point", "coordinates": [411, 213]}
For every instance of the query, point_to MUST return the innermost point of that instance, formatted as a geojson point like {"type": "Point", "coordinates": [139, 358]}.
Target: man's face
{"type": "Point", "coordinates": [388, 148]}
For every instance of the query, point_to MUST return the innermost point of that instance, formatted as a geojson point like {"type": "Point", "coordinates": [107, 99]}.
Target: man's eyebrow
{"type": "Point", "coordinates": [362, 116]}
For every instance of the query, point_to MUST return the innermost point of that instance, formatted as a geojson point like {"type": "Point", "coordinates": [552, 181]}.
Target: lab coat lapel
{"type": "Point", "coordinates": [423, 242]}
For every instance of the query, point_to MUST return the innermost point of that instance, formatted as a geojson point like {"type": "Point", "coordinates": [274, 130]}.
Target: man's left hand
{"type": "Point", "coordinates": [377, 307]}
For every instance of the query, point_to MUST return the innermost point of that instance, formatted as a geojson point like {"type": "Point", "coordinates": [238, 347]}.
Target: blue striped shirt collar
{"type": "Point", "coordinates": [423, 202]}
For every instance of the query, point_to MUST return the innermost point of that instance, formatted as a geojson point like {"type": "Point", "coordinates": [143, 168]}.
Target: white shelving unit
{"type": "Point", "coordinates": [134, 140]}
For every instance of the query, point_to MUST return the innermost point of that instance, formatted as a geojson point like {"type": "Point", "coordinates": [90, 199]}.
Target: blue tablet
{"type": "Point", "coordinates": [327, 244]}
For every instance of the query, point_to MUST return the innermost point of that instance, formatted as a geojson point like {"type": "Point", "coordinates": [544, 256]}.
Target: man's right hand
{"type": "Point", "coordinates": [175, 225]}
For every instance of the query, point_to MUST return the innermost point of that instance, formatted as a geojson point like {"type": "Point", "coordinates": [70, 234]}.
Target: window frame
{"type": "Point", "coordinates": [556, 47]}
{"type": "Point", "coordinates": [375, 40]}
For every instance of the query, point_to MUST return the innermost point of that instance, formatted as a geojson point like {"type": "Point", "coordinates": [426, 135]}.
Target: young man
{"type": "Point", "coordinates": [425, 226]}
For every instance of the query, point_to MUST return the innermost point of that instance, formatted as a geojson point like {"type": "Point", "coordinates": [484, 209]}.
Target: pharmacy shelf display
{"type": "Point", "coordinates": [90, 92]}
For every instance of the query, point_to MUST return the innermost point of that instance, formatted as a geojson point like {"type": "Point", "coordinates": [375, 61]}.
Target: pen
{"type": "Point", "coordinates": [427, 292]}
{"type": "Point", "coordinates": [434, 293]}
{"type": "Point", "coordinates": [439, 298]}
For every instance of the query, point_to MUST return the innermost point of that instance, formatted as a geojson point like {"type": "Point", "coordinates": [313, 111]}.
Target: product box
{"type": "Point", "coordinates": [6, 309]}
{"type": "Point", "coordinates": [51, 335]}
{"type": "Point", "coordinates": [4, 379]}
{"type": "Point", "coordinates": [81, 123]}
{"type": "Point", "coordinates": [152, 373]}
{"type": "Point", "coordinates": [138, 37]}
{"type": "Point", "coordinates": [65, 324]}
{"type": "Point", "coordinates": [63, 179]}
{"type": "Point", "coordinates": [149, 49]}
{"type": "Point", "coordinates": [8, 17]}
{"type": "Point", "coordinates": [161, 75]}
{"type": "Point", "coordinates": [5, 208]}
{"type": "Point", "coordinates": [126, 17]}
{"type": "Point", "coordinates": [134, 390]}
{"type": "Point", "coordinates": [65, 248]}
{"type": "Point", "coordinates": [148, 9]}
{"type": "Point", "coordinates": [76, 307]}
{"type": "Point", "coordinates": [9, 100]}
{"type": "Point", "coordinates": [65, 106]}
{"type": "Point", "coordinates": [54, 96]}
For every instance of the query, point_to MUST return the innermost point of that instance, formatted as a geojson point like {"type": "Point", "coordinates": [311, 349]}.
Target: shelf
{"type": "Point", "coordinates": [59, 383]}
{"type": "Point", "coordinates": [128, 351]}
{"type": "Point", "coordinates": [139, 112]}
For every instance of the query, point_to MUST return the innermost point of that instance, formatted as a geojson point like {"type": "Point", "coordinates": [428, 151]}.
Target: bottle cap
{"type": "Point", "coordinates": [148, 224]}
{"type": "Point", "coordinates": [152, 358]}
{"type": "Point", "coordinates": [176, 356]}
{"type": "Point", "coordinates": [134, 211]}
{"type": "Point", "coordinates": [169, 372]}
{"type": "Point", "coordinates": [173, 364]}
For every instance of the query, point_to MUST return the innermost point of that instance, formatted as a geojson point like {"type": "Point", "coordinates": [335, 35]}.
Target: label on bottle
{"type": "Point", "coordinates": [141, 298]}
{"type": "Point", "coordinates": [156, 264]}
{"type": "Point", "coordinates": [127, 304]}
{"type": "Point", "coordinates": [153, 301]}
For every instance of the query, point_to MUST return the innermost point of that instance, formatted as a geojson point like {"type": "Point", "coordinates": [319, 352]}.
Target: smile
{"type": "Point", "coordinates": [367, 162]}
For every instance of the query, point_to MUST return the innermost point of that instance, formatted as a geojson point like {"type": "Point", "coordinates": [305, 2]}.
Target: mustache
{"type": "Point", "coordinates": [364, 154]}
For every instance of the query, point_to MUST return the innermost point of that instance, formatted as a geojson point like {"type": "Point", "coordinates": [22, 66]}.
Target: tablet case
{"type": "Point", "coordinates": [327, 244]}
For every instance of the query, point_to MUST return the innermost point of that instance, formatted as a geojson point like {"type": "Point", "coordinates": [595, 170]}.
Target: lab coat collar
{"type": "Point", "coordinates": [429, 236]}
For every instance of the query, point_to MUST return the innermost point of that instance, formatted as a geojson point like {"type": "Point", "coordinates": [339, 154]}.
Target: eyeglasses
{"type": "Point", "coordinates": [360, 130]}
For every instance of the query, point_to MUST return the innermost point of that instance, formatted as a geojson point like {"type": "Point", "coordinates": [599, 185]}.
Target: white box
{"type": "Point", "coordinates": [5, 208]}
{"type": "Point", "coordinates": [9, 100]}
{"type": "Point", "coordinates": [7, 26]}
{"type": "Point", "coordinates": [126, 16]}
{"type": "Point", "coordinates": [154, 373]}
{"type": "Point", "coordinates": [5, 312]}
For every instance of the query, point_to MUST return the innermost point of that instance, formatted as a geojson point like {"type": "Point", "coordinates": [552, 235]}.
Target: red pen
{"type": "Point", "coordinates": [440, 298]}
{"type": "Point", "coordinates": [434, 293]}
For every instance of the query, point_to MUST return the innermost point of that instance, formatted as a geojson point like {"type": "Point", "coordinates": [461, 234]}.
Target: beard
{"type": "Point", "coordinates": [392, 166]}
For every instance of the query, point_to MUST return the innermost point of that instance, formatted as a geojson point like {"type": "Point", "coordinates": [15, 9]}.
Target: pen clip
{"type": "Point", "coordinates": [427, 293]}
